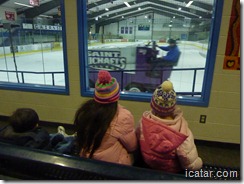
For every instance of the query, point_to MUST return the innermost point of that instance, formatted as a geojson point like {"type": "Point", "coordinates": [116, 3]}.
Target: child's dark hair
{"type": "Point", "coordinates": [24, 119]}
{"type": "Point", "coordinates": [92, 120]}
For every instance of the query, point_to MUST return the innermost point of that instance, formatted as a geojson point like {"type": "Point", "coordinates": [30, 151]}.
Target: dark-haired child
{"type": "Point", "coordinates": [23, 130]}
{"type": "Point", "coordinates": [105, 129]}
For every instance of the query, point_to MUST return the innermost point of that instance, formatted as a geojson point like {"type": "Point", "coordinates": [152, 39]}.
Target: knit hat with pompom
{"type": "Point", "coordinates": [106, 88]}
{"type": "Point", "coordinates": [164, 99]}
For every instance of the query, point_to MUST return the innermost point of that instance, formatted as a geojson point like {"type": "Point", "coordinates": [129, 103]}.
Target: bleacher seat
{"type": "Point", "coordinates": [25, 163]}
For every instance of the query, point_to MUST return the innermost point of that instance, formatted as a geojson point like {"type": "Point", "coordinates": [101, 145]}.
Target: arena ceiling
{"type": "Point", "coordinates": [104, 12]}
{"type": "Point", "coordinates": [109, 11]}
{"type": "Point", "coordinates": [48, 8]}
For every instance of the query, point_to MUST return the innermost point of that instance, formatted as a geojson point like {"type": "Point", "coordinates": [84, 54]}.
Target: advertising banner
{"type": "Point", "coordinates": [10, 15]}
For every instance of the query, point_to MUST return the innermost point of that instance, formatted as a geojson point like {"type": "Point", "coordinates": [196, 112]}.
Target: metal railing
{"type": "Point", "coordinates": [161, 78]}
{"type": "Point", "coordinates": [121, 73]}
{"type": "Point", "coordinates": [22, 74]}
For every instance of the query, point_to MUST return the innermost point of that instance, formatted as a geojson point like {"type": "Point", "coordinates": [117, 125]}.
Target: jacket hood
{"type": "Point", "coordinates": [36, 138]}
{"type": "Point", "coordinates": [9, 133]}
{"type": "Point", "coordinates": [159, 137]}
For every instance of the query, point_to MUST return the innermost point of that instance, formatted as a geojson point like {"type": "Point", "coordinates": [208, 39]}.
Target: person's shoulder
{"type": "Point", "coordinates": [122, 109]}
{"type": "Point", "coordinates": [5, 127]}
{"type": "Point", "coordinates": [124, 115]}
{"type": "Point", "coordinates": [6, 130]}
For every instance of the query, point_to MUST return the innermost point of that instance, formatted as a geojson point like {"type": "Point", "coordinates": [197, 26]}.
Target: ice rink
{"type": "Point", "coordinates": [192, 56]}
{"type": "Point", "coordinates": [48, 61]}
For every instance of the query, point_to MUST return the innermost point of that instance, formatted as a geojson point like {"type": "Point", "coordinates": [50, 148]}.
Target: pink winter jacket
{"type": "Point", "coordinates": [119, 140]}
{"type": "Point", "coordinates": [168, 145]}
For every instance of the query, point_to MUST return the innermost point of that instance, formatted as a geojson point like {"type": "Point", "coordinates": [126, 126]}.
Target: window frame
{"type": "Point", "coordinates": [40, 87]}
{"type": "Point", "coordinates": [146, 97]}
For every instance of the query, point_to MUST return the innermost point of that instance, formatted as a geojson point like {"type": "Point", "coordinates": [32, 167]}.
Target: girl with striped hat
{"type": "Point", "coordinates": [105, 129]}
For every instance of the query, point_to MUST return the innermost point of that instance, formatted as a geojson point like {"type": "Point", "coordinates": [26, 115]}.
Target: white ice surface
{"type": "Point", "coordinates": [35, 62]}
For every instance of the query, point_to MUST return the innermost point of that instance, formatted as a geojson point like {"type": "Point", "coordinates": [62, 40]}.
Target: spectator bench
{"type": "Point", "coordinates": [32, 164]}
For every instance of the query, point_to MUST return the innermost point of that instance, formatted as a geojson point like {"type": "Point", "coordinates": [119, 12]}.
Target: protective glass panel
{"type": "Point", "coordinates": [31, 50]}
{"type": "Point", "coordinates": [142, 43]}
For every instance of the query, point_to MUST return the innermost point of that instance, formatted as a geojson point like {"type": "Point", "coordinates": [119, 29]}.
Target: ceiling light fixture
{"type": "Point", "coordinates": [189, 3]}
{"type": "Point", "coordinates": [139, 8]}
{"type": "Point", "coordinates": [179, 8]}
{"type": "Point", "coordinates": [47, 16]}
{"type": "Point", "coordinates": [127, 4]}
{"type": "Point", "coordinates": [106, 9]}
{"type": "Point", "coordinates": [21, 4]}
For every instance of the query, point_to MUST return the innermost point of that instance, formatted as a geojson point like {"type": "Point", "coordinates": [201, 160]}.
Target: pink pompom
{"type": "Point", "coordinates": [104, 77]}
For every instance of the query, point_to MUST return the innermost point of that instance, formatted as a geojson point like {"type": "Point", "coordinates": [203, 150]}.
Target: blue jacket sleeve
{"type": "Point", "coordinates": [172, 55]}
{"type": "Point", "coordinates": [166, 48]}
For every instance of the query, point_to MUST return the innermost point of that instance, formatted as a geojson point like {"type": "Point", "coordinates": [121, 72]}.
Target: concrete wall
{"type": "Point", "coordinates": [223, 112]}
{"type": "Point", "coordinates": [158, 30]}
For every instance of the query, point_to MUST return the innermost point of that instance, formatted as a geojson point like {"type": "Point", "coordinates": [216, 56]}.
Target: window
{"type": "Point", "coordinates": [32, 47]}
{"type": "Point", "coordinates": [125, 38]}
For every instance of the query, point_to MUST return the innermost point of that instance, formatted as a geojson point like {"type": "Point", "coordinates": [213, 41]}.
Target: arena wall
{"type": "Point", "coordinates": [223, 112]}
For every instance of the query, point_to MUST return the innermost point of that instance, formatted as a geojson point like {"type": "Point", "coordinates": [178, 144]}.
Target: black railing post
{"type": "Point", "coordinates": [194, 81]}
{"type": "Point", "coordinates": [122, 79]}
{"type": "Point", "coordinates": [8, 27]}
{"type": "Point", "coordinates": [22, 76]}
{"type": "Point", "coordinates": [53, 79]}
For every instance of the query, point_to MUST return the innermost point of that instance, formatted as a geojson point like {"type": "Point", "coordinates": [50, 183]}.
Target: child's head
{"type": "Point", "coordinates": [163, 100]}
{"type": "Point", "coordinates": [24, 119]}
{"type": "Point", "coordinates": [171, 42]}
{"type": "Point", "coordinates": [106, 88]}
